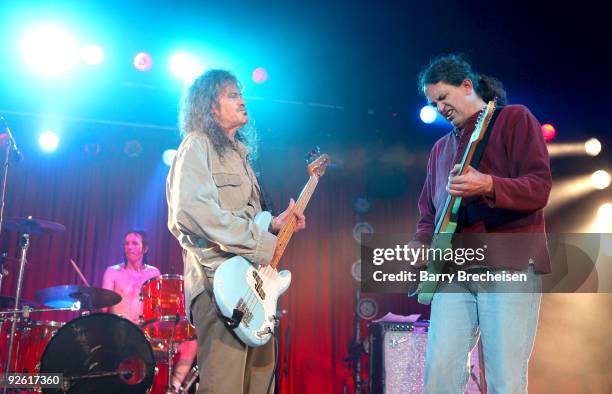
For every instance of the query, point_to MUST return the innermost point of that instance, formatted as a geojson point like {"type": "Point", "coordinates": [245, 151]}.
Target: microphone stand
{"type": "Point", "coordinates": [7, 142]}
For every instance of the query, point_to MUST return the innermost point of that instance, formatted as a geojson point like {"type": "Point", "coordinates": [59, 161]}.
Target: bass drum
{"type": "Point", "coordinates": [97, 344]}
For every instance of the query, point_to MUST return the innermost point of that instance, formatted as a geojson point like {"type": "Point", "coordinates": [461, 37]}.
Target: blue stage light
{"type": "Point", "coordinates": [48, 141]}
{"type": "Point", "coordinates": [428, 114]}
{"type": "Point", "coordinates": [185, 67]}
{"type": "Point", "coordinates": [93, 55]}
{"type": "Point", "coordinates": [49, 50]}
{"type": "Point", "coordinates": [168, 156]}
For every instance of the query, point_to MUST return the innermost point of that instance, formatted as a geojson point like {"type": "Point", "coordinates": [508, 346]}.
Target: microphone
{"type": "Point", "coordinates": [18, 155]}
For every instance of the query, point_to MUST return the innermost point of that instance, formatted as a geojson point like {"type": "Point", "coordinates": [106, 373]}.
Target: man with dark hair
{"type": "Point", "coordinates": [213, 197]}
{"type": "Point", "coordinates": [127, 279]}
{"type": "Point", "coordinates": [506, 193]}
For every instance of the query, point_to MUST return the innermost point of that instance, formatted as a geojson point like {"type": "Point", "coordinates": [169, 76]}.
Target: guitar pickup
{"type": "Point", "coordinates": [247, 314]}
{"type": "Point", "coordinates": [259, 285]}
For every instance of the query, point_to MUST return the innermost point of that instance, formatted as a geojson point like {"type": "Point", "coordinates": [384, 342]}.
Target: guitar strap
{"type": "Point", "coordinates": [481, 146]}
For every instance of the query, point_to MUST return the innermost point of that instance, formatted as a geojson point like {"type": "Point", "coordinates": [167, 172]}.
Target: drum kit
{"type": "Point", "coordinates": [96, 352]}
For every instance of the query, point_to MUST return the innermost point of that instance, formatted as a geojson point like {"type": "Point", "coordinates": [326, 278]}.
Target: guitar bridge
{"type": "Point", "coordinates": [264, 332]}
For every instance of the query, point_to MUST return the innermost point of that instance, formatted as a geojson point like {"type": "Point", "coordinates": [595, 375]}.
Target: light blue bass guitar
{"type": "Point", "coordinates": [248, 293]}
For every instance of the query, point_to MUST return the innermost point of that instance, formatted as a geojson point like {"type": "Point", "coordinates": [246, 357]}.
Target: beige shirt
{"type": "Point", "coordinates": [211, 206]}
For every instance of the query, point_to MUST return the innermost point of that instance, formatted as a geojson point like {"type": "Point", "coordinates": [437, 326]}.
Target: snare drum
{"type": "Point", "coordinates": [163, 312]}
{"type": "Point", "coordinates": [31, 338]}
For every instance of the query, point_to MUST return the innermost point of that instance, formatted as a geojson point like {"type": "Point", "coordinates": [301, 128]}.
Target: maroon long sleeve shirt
{"type": "Point", "coordinates": [516, 157]}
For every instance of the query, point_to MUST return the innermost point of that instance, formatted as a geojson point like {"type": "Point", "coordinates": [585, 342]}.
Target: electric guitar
{"type": "Point", "coordinates": [447, 224]}
{"type": "Point", "coordinates": [247, 293]}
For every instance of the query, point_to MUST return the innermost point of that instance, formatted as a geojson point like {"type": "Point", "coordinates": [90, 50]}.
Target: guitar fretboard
{"type": "Point", "coordinates": [285, 234]}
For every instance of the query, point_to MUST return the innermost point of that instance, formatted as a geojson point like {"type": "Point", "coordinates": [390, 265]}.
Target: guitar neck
{"type": "Point", "coordinates": [285, 234]}
{"type": "Point", "coordinates": [447, 221]}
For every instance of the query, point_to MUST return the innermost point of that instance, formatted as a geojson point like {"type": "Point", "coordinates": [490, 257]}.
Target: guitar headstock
{"type": "Point", "coordinates": [317, 162]}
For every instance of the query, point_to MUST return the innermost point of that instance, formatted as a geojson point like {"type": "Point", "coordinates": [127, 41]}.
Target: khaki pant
{"type": "Point", "coordinates": [226, 365]}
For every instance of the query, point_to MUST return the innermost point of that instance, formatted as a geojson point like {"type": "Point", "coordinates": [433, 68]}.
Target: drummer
{"type": "Point", "coordinates": [127, 278]}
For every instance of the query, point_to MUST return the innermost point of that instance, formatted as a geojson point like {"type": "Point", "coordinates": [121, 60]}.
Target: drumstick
{"type": "Point", "coordinates": [79, 272]}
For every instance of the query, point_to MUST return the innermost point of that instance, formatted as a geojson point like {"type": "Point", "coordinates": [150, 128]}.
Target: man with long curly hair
{"type": "Point", "coordinates": [213, 197]}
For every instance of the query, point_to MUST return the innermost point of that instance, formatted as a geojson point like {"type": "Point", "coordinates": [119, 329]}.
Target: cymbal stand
{"type": "Point", "coordinates": [24, 244]}
{"type": "Point", "coordinates": [3, 273]}
{"type": "Point", "coordinates": [172, 350]}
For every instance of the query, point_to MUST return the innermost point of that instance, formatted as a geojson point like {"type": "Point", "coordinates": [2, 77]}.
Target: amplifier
{"type": "Point", "coordinates": [397, 359]}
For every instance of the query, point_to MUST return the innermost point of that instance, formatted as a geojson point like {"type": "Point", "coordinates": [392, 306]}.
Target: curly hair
{"type": "Point", "coordinates": [453, 70]}
{"type": "Point", "coordinates": [196, 112]}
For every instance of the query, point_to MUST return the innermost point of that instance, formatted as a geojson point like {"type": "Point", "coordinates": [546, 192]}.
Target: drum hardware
{"type": "Point", "coordinates": [163, 318]}
{"type": "Point", "coordinates": [25, 227]}
{"type": "Point", "coordinates": [189, 379]}
{"type": "Point", "coordinates": [9, 302]}
{"type": "Point", "coordinates": [3, 271]}
{"type": "Point", "coordinates": [26, 310]}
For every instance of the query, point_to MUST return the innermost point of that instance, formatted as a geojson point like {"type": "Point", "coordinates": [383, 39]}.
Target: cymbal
{"type": "Point", "coordinates": [30, 225]}
{"type": "Point", "coordinates": [65, 296]}
{"type": "Point", "coordinates": [9, 302]}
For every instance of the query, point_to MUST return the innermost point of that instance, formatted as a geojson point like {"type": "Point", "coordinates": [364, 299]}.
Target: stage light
{"type": "Point", "coordinates": [548, 131]}
{"type": "Point", "coordinates": [605, 212]}
{"type": "Point", "coordinates": [132, 149]}
{"type": "Point", "coordinates": [185, 67]}
{"type": "Point", "coordinates": [592, 147]}
{"type": "Point", "coordinates": [49, 50]}
{"type": "Point", "coordinates": [362, 232]}
{"type": "Point", "coordinates": [168, 156]}
{"type": "Point", "coordinates": [603, 224]}
{"type": "Point", "coordinates": [600, 179]}
{"type": "Point", "coordinates": [143, 61]}
{"type": "Point", "coordinates": [367, 308]}
{"type": "Point", "coordinates": [48, 141]}
{"type": "Point", "coordinates": [361, 205]}
{"type": "Point", "coordinates": [93, 55]}
{"type": "Point", "coordinates": [428, 114]}
{"type": "Point", "coordinates": [356, 270]}
{"type": "Point", "coordinates": [260, 75]}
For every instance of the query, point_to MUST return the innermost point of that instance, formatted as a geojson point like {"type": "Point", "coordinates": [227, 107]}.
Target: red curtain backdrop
{"type": "Point", "coordinates": [99, 198]}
